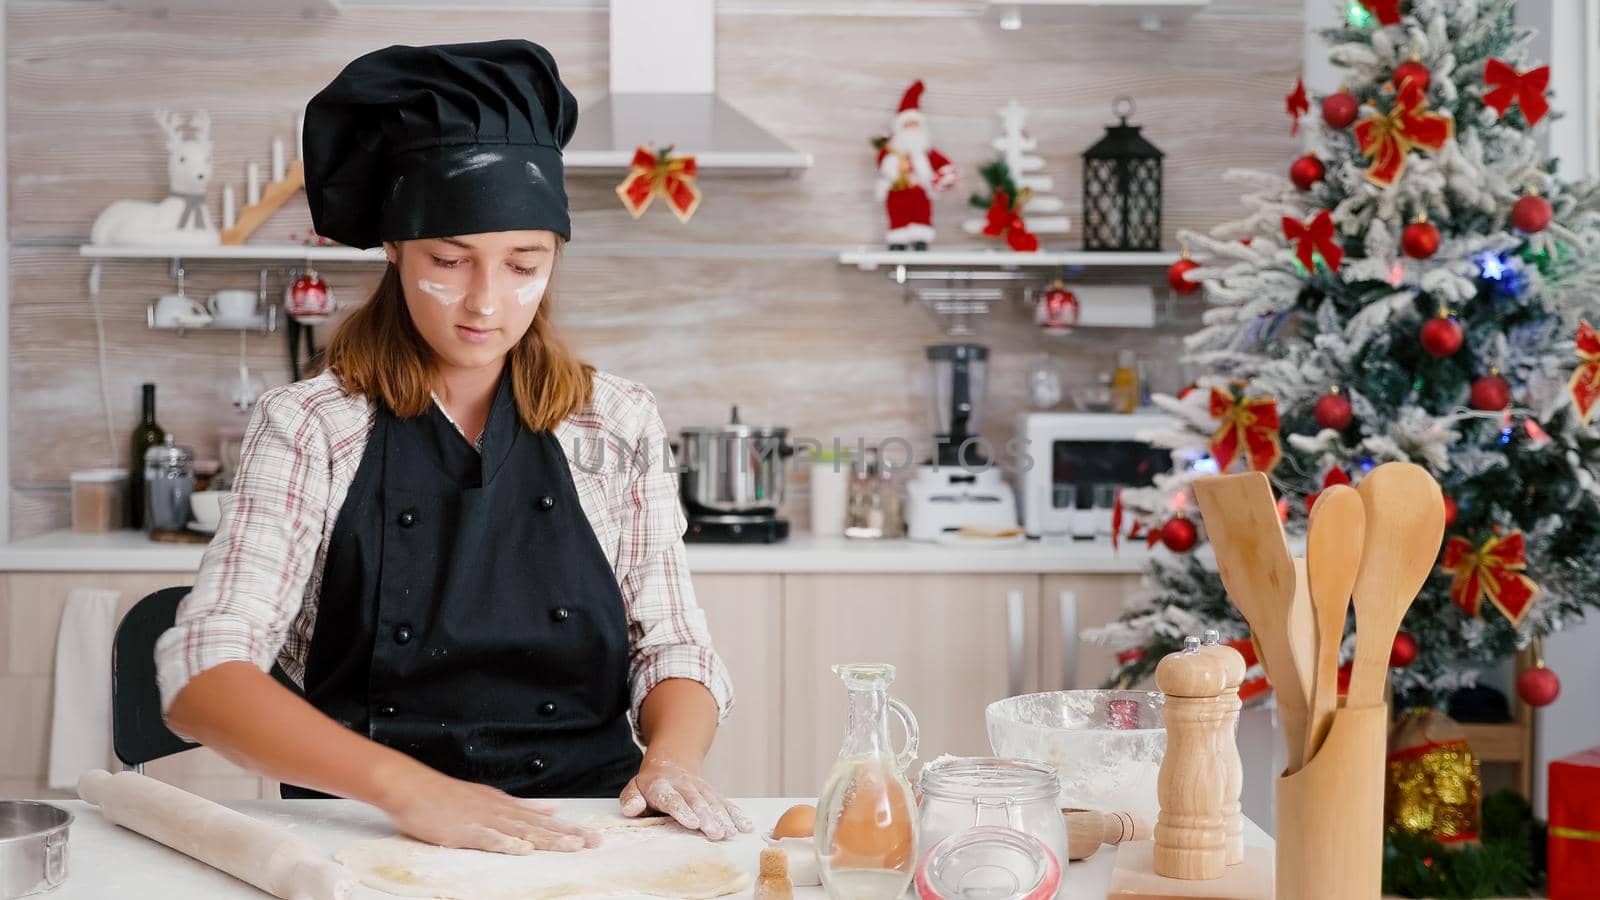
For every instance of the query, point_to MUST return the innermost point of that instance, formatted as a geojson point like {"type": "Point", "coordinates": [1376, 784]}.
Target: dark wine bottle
{"type": "Point", "coordinates": [145, 435]}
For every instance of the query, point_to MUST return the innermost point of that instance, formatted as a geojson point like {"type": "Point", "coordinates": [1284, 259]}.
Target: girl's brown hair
{"type": "Point", "coordinates": [377, 352]}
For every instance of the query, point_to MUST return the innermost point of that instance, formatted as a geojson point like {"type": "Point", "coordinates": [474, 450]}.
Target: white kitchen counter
{"type": "Point", "coordinates": [131, 551]}
{"type": "Point", "coordinates": [105, 861]}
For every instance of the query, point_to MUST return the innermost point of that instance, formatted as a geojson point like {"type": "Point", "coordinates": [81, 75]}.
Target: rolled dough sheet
{"type": "Point", "coordinates": [647, 857]}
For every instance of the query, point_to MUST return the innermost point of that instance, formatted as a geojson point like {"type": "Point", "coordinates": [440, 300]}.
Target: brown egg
{"type": "Point", "coordinates": [799, 821]}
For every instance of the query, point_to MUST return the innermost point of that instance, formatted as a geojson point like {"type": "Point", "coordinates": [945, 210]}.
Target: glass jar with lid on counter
{"type": "Point", "coordinates": [876, 509]}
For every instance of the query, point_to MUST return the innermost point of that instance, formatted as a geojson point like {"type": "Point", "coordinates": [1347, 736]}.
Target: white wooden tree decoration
{"type": "Point", "coordinates": [1016, 147]}
{"type": "Point", "coordinates": [182, 218]}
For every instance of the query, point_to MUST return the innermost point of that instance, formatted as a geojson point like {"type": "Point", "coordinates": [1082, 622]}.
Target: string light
{"type": "Point", "coordinates": [1492, 267]}
{"type": "Point", "coordinates": [1356, 15]}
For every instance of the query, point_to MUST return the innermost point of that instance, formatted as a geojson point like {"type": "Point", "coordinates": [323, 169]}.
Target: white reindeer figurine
{"type": "Point", "coordinates": [182, 218]}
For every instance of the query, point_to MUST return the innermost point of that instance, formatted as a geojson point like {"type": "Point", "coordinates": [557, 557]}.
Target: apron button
{"type": "Point", "coordinates": [408, 518]}
{"type": "Point", "coordinates": [547, 708]}
{"type": "Point", "coordinates": [537, 764]}
{"type": "Point", "coordinates": [560, 614]}
{"type": "Point", "coordinates": [547, 502]}
{"type": "Point", "coordinates": [388, 712]}
{"type": "Point", "coordinates": [402, 634]}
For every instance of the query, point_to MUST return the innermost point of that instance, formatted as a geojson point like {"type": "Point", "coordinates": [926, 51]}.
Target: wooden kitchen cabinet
{"type": "Point", "coordinates": [744, 613]}
{"type": "Point", "coordinates": [1067, 605]}
{"type": "Point", "coordinates": [958, 643]}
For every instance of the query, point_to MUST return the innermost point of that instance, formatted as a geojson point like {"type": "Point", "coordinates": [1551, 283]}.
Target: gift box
{"type": "Point", "coordinates": [1574, 835]}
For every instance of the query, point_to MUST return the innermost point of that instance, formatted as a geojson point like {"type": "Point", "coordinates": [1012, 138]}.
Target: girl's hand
{"type": "Point", "coordinates": [441, 810]}
{"type": "Point", "coordinates": [673, 789]}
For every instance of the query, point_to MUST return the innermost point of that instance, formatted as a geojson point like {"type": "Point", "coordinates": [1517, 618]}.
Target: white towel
{"type": "Point", "coordinates": [80, 730]}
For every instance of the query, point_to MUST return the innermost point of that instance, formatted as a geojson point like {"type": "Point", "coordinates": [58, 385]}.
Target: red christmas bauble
{"type": "Point", "coordinates": [1178, 535]}
{"type": "Point", "coordinates": [1306, 171]}
{"type": "Point", "coordinates": [1442, 336]}
{"type": "Point", "coordinates": [1450, 510]}
{"type": "Point", "coordinates": [1419, 240]}
{"type": "Point", "coordinates": [1333, 411]}
{"type": "Point", "coordinates": [1491, 393]}
{"type": "Point", "coordinates": [1538, 687]}
{"type": "Point", "coordinates": [1404, 651]}
{"type": "Point", "coordinates": [1412, 71]}
{"type": "Point", "coordinates": [1175, 273]}
{"type": "Point", "coordinates": [1340, 109]}
{"type": "Point", "coordinates": [1187, 390]}
{"type": "Point", "coordinates": [1532, 213]}
{"type": "Point", "coordinates": [1343, 680]}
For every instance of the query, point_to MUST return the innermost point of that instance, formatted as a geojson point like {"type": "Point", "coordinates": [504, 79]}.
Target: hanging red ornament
{"type": "Point", "coordinates": [1306, 171]}
{"type": "Point", "coordinates": [1335, 476]}
{"type": "Point", "coordinates": [1538, 686]}
{"type": "Point", "coordinates": [1404, 651]}
{"type": "Point", "coordinates": [1450, 510]}
{"type": "Point", "coordinates": [1420, 239]}
{"type": "Point", "coordinates": [1442, 336]}
{"type": "Point", "coordinates": [1413, 72]}
{"type": "Point", "coordinates": [1333, 410]}
{"type": "Point", "coordinates": [1176, 273]}
{"type": "Point", "coordinates": [1386, 11]}
{"type": "Point", "coordinates": [1297, 104]}
{"type": "Point", "coordinates": [1179, 535]}
{"type": "Point", "coordinates": [1491, 393]}
{"type": "Point", "coordinates": [1531, 214]}
{"type": "Point", "coordinates": [1339, 110]}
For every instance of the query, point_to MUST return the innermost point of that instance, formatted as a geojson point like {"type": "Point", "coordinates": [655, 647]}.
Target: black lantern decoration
{"type": "Point", "coordinates": [1122, 188]}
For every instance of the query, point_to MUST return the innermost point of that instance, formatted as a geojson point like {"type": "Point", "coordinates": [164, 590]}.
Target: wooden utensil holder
{"type": "Point", "coordinates": [1330, 813]}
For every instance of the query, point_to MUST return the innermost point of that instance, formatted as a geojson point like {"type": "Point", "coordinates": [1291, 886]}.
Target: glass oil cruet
{"type": "Point", "coordinates": [867, 827]}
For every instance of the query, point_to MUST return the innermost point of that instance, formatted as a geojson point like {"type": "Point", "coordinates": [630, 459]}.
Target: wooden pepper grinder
{"type": "Point", "coordinates": [1190, 836]}
{"type": "Point", "coordinates": [1228, 739]}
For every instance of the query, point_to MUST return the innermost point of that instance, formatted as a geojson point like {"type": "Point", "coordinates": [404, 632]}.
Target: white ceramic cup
{"type": "Point", "coordinates": [206, 507]}
{"type": "Point", "coordinates": [180, 309]}
{"type": "Point", "coordinates": [233, 305]}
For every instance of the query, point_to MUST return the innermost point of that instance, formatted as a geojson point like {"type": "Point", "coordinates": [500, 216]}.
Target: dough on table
{"type": "Point", "coordinates": [651, 856]}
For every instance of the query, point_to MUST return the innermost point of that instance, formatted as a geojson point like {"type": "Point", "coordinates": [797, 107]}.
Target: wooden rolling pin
{"type": "Point", "coordinates": [1087, 829]}
{"type": "Point", "coordinates": [282, 864]}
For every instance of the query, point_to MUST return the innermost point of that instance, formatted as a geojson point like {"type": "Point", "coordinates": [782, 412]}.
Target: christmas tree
{"type": "Point", "coordinates": [1416, 290]}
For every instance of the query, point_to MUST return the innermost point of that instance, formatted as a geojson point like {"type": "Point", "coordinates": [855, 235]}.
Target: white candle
{"type": "Point", "coordinates": [277, 159]}
{"type": "Point", "coordinates": [300, 137]}
{"type": "Point", "coordinates": [252, 183]}
{"type": "Point", "coordinates": [227, 206]}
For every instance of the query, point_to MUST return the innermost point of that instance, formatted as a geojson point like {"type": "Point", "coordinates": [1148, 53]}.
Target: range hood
{"type": "Point", "coordinates": [663, 91]}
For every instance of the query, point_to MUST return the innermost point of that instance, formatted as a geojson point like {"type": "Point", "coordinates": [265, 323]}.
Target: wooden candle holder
{"type": "Point", "coordinates": [273, 196]}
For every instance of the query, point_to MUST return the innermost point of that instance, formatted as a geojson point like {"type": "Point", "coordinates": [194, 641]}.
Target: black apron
{"type": "Point", "coordinates": [469, 618]}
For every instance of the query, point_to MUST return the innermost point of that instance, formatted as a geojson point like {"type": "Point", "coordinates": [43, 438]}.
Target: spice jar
{"type": "Point", "coordinates": [876, 509]}
{"type": "Point", "coordinates": [98, 496]}
{"type": "Point", "coordinates": [168, 483]}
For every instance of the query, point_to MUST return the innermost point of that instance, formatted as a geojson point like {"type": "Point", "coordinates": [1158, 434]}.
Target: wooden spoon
{"type": "Point", "coordinates": [1259, 573]}
{"type": "Point", "coordinates": [1333, 556]}
{"type": "Point", "coordinates": [1405, 523]}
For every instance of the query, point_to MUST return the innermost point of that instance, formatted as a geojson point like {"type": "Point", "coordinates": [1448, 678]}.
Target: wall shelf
{"type": "Point", "coordinates": [257, 252]}
{"type": "Point", "coordinates": [867, 259]}
{"type": "Point", "coordinates": [1150, 15]}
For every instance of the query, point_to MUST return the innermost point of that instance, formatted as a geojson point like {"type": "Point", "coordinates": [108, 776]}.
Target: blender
{"type": "Point", "coordinates": [959, 488]}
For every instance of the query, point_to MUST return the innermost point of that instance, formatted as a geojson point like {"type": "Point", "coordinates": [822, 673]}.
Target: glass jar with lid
{"type": "Point", "coordinates": [168, 484]}
{"type": "Point", "coordinates": [875, 507]}
{"type": "Point", "coordinates": [961, 793]}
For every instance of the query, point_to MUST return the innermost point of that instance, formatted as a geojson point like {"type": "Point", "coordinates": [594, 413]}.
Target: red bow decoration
{"type": "Point", "coordinates": [1387, 11]}
{"type": "Point", "coordinates": [1335, 476]}
{"type": "Point", "coordinates": [1493, 570]}
{"type": "Point", "coordinates": [1526, 89]}
{"type": "Point", "coordinates": [1250, 426]}
{"type": "Point", "coordinates": [1298, 104]}
{"type": "Point", "coordinates": [1315, 236]}
{"type": "Point", "coordinates": [1005, 220]}
{"type": "Point", "coordinates": [1252, 687]}
{"type": "Point", "coordinates": [1388, 138]}
{"type": "Point", "coordinates": [660, 173]}
{"type": "Point", "coordinates": [1585, 384]}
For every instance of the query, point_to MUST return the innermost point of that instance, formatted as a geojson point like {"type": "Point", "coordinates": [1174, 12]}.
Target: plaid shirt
{"type": "Point", "coordinates": [255, 598]}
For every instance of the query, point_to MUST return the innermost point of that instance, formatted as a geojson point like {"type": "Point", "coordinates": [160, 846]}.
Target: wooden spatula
{"type": "Point", "coordinates": [1253, 559]}
{"type": "Point", "coordinates": [1333, 556]}
{"type": "Point", "coordinates": [1405, 522]}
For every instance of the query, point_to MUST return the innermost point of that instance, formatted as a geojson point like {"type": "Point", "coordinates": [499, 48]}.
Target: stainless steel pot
{"type": "Point", "coordinates": [33, 847]}
{"type": "Point", "coordinates": [734, 468]}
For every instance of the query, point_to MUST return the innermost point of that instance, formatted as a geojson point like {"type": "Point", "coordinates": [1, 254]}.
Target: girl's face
{"type": "Point", "coordinates": [473, 296]}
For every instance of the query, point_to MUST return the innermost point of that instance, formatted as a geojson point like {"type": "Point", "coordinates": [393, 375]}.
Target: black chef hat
{"type": "Point", "coordinates": [417, 142]}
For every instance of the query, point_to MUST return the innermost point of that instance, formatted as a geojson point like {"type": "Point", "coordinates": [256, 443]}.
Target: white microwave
{"type": "Point", "coordinates": [1078, 462]}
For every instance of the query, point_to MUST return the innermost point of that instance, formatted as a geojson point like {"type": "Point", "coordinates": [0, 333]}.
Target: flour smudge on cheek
{"type": "Point", "coordinates": [443, 293]}
{"type": "Point", "coordinates": [533, 290]}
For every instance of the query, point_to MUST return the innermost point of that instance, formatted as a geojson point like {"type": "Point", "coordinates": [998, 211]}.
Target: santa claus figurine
{"type": "Point", "coordinates": [908, 170]}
